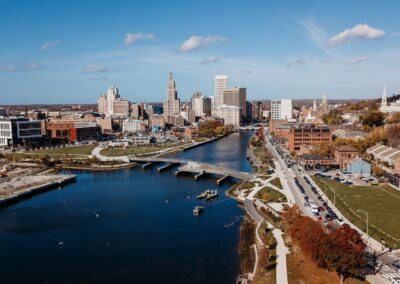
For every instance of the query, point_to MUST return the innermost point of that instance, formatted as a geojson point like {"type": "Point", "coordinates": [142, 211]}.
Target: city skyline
{"type": "Point", "coordinates": [286, 50]}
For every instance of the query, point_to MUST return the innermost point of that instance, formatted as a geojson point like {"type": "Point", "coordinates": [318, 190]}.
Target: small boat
{"type": "Point", "coordinates": [213, 194]}
{"type": "Point", "coordinates": [198, 210]}
{"type": "Point", "coordinates": [204, 194]}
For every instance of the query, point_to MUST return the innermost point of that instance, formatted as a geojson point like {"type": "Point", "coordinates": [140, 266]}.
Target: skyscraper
{"type": "Point", "coordinates": [236, 97]}
{"type": "Point", "coordinates": [172, 104]}
{"type": "Point", "coordinates": [221, 84]}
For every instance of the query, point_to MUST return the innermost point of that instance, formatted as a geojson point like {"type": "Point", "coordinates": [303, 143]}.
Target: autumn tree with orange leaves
{"type": "Point", "coordinates": [341, 250]}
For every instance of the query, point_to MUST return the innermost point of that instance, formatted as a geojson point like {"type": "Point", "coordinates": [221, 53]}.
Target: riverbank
{"type": "Point", "coordinates": [20, 187]}
{"type": "Point", "coordinates": [96, 167]}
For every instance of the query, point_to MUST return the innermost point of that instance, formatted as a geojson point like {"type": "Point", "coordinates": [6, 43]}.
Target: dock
{"type": "Point", "coordinates": [199, 175]}
{"type": "Point", "coordinates": [221, 180]}
{"type": "Point", "coordinates": [22, 186]}
{"type": "Point", "coordinates": [147, 165]}
{"type": "Point", "coordinates": [167, 166]}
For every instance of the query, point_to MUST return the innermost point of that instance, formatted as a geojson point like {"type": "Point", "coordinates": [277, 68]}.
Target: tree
{"type": "Point", "coordinates": [373, 119]}
{"type": "Point", "coordinates": [395, 118]}
{"type": "Point", "coordinates": [392, 133]}
{"type": "Point", "coordinates": [333, 117]}
{"type": "Point", "coordinates": [347, 258]}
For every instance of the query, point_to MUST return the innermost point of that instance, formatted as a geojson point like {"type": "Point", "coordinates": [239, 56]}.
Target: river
{"type": "Point", "coordinates": [128, 226]}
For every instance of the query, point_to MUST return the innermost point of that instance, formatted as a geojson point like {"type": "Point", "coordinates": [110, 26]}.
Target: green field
{"type": "Point", "coordinates": [277, 182]}
{"type": "Point", "coordinates": [381, 202]}
{"type": "Point", "coordinates": [273, 195]}
{"type": "Point", "coordinates": [140, 150]}
{"type": "Point", "coordinates": [73, 150]}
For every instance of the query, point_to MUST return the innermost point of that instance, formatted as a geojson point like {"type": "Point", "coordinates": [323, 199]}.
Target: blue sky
{"type": "Point", "coordinates": [71, 51]}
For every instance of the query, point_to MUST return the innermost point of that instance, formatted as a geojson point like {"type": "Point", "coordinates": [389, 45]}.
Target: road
{"type": "Point", "coordinates": [385, 259]}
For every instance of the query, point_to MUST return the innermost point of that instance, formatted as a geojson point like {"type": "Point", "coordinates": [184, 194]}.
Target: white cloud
{"type": "Point", "coordinates": [247, 71]}
{"type": "Point", "coordinates": [360, 31]}
{"type": "Point", "coordinates": [395, 34]}
{"type": "Point", "coordinates": [49, 44]}
{"type": "Point", "coordinates": [19, 67]}
{"type": "Point", "coordinates": [210, 60]}
{"type": "Point", "coordinates": [132, 38]}
{"type": "Point", "coordinates": [94, 68]}
{"type": "Point", "coordinates": [298, 61]}
{"type": "Point", "coordinates": [195, 42]}
{"type": "Point", "coordinates": [358, 60]}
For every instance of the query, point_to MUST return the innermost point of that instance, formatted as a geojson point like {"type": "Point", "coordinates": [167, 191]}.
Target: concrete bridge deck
{"type": "Point", "coordinates": [196, 167]}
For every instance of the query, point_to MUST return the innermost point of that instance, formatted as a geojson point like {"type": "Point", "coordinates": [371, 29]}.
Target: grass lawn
{"type": "Point", "coordinates": [73, 150]}
{"type": "Point", "coordinates": [277, 182]}
{"type": "Point", "coordinates": [139, 150]}
{"type": "Point", "coordinates": [247, 185]}
{"type": "Point", "coordinates": [381, 202]}
{"type": "Point", "coordinates": [272, 195]}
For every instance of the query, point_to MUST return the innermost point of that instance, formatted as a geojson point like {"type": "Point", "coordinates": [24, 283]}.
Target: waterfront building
{"type": "Point", "coordinates": [236, 97]}
{"type": "Point", "coordinates": [230, 114]}
{"type": "Point", "coordinates": [344, 154]}
{"type": "Point", "coordinates": [281, 109]}
{"type": "Point", "coordinates": [72, 131]}
{"type": "Point", "coordinates": [255, 110]}
{"type": "Point", "coordinates": [172, 104]}
{"type": "Point", "coordinates": [221, 84]}
{"type": "Point", "coordinates": [112, 104]}
{"type": "Point", "coordinates": [389, 108]}
{"type": "Point", "coordinates": [20, 131]}
{"type": "Point", "coordinates": [308, 135]}
{"type": "Point", "coordinates": [133, 125]}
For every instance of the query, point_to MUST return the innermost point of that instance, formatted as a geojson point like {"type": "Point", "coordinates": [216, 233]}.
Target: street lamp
{"type": "Point", "coordinates": [366, 213]}
{"type": "Point", "coordinates": [383, 243]}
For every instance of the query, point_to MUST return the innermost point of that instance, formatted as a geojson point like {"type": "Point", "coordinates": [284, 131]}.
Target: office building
{"type": "Point", "coordinates": [230, 114]}
{"type": "Point", "coordinates": [281, 109]}
{"type": "Point", "coordinates": [20, 131]}
{"type": "Point", "coordinates": [308, 135]}
{"type": "Point", "coordinates": [73, 131]}
{"type": "Point", "coordinates": [201, 105]}
{"type": "Point", "coordinates": [236, 97]}
{"type": "Point", "coordinates": [221, 84]}
{"type": "Point", "coordinates": [112, 104]}
{"type": "Point", "coordinates": [172, 104]}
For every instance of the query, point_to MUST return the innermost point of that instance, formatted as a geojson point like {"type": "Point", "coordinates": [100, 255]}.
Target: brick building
{"type": "Point", "coordinates": [308, 135]}
{"type": "Point", "coordinates": [73, 131]}
{"type": "Point", "coordinates": [344, 154]}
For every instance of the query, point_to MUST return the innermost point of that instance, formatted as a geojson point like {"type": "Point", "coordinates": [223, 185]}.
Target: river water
{"type": "Point", "coordinates": [128, 226]}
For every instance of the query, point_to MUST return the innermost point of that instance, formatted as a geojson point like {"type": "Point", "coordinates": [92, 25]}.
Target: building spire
{"type": "Point", "coordinates": [384, 98]}
{"type": "Point", "coordinates": [170, 76]}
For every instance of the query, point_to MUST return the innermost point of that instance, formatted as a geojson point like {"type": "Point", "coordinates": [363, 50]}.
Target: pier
{"type": "Point", "coordinates": [221, 180]}
{"type": "Point", "coordinates": [147, 165]}
{"type": "Point", "coordinates": [199, 175]}
{"type": "Point", "coordinates": [165, 167]}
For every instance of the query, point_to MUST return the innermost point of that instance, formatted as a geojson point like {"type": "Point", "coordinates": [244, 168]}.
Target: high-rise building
{"type": "Point", "coordinates": [201, 105]}
{"type": "Point", "coordinates": [172, 104]}
{"type": "Point", "coordinates": [281, 109]}
{"type": "Point", "coordinates": [236, 97]}
{"type": "Point", "coordinates": [112, 104]}
{"type": "Point", "coordinates": [221, 84]}
{"type": "Point", "coordinates": [230, 114]}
